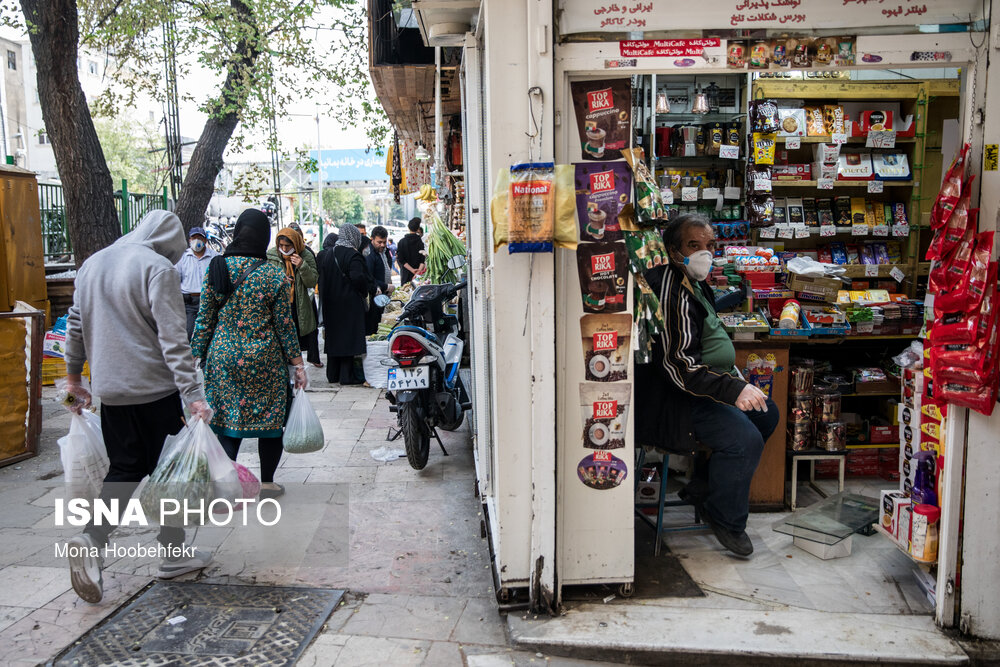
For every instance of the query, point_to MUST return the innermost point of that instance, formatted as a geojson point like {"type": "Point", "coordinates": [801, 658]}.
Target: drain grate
{"type": "Point", "coordinates": [207, 624]}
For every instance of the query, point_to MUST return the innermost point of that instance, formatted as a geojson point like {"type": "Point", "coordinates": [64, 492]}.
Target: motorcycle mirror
{"type": "Point", "coordinates": [456, 262]}
{"type": "Point", "coordinates": [382, 300]}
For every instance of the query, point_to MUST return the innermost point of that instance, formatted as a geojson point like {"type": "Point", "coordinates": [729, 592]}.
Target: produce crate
{"type": "Point", "coordinates": [54, 368]}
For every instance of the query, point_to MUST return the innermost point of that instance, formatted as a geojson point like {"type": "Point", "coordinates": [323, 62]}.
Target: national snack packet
{"type": "Point", "coordinates": [531, 217]}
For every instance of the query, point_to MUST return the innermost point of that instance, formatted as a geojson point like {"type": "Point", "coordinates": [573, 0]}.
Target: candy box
{"type": "Point", "coordinates": [876, 119]}
{"type": "Point", "coordinates": [891, 166]}
{"type": "Point", "coordinates": [855, 167]}
{"type": "Point", "coordinates": [892, 504]}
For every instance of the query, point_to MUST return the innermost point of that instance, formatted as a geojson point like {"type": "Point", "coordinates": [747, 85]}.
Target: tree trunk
{"type": "Point", "coordinates": [53, 28]}
{"type": "Point", "coordinates": [206, 161]}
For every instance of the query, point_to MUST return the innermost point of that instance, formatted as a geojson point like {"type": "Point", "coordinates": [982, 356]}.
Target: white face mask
{"type": "Point", "coordinates": [286, 253]}
{"type": "Point", "coordinates": [698, 265]}
{"type": "Point", "coordinates": [197, 245]}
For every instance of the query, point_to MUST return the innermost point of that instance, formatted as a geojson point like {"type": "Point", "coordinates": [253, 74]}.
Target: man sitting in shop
{"type": "Point", "coordinates": [692, 393]}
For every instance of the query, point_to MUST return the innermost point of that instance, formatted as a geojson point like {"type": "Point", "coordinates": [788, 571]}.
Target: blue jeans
{"type": "Point", "coordinates": [736, 439]}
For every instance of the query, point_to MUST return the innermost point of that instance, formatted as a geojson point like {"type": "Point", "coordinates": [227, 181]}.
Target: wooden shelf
{"type": "Point", "coordinates": [858, 270]}
{"type": "Point", "coordinates": [839, 184]}
{"type": "Point", "coordinates": [840, 89]}
{"type": "Point", "coordinates": [875, 445]}
{"type": "Point", "coordinates": [879, 529]}
{"type": "Point", "coordinates": [850, 140]}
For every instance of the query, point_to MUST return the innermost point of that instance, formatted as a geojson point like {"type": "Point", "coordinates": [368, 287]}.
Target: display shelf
{"type": "Point", "coordinates": [850, 140]}
{"type": "Point", "coordinates": [875, 445]}
{"type": "Point", "coordinates": [879, 529]}
{"type": "Point", "coordinates": [858, 270]}
{"type": "Point", "coordinates": [839, 184]}
{"type": "Point", "coordinates": [674, 159]}
{"type": "Point", "coordinates": [839, 89]}
{"type": "Point", "coordinates": [665, 119]}
{"type": "Point", "coordinates": [877, 393]}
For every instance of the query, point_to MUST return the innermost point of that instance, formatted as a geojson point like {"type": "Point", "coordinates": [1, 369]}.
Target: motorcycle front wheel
{"type": "Point", "coordinates": [415, 435]}
{"type": "Point", "coordinates": [216, 245]}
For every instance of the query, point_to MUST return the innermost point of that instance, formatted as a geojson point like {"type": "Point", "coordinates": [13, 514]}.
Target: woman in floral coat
{"type": "Point", "coordinates": [246, 338]}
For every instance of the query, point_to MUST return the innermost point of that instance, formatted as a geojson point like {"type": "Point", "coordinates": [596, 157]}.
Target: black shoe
{"type": "Point", "coordinates": [739, 543]}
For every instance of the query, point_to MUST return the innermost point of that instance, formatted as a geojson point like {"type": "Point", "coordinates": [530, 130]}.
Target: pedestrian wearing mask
{"type": "Point", "coordinates": [246, 337]}
{"type": "Point", "coordinates": [692, 393]}
{"type": "Point", "coordinates": [299, 266]}
{"type": "Point", "coordinates": [193, 267]}
{"type": "Point", "coordinates": [344, 287]}
{"type": "Point", "coordinates": [128, 320]}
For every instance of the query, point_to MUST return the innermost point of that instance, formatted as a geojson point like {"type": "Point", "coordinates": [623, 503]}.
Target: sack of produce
{"type": "Point", "coordinates": [84, 457]}
{"type": "Point", "coordinates": [193, 470]}
{"type": "Point", "coordinates": [303, 432]}
{"type": "Point", "coordinates": [375, 372]}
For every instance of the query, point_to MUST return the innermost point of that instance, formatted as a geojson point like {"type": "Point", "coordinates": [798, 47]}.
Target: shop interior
{"type": "Point", "coordinates": [853, 171]}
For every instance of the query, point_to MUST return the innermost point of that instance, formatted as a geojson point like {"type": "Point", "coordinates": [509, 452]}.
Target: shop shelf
{"type": "Point", "coordinates": [879, 529]}
{"type": "Point", "coordinates": [858, 270]}
{"type": "Point", "coordinates": [850, 140]}
{"type": "Point", "coordinates": [877, 445]}
{"type": "Point", "coordinates": [839, 184]}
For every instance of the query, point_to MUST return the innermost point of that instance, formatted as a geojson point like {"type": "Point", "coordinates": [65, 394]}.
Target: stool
{"type": "Point", "coordinates": [812, 456]}
{"type": "Point", "coordinates": [640, 459]}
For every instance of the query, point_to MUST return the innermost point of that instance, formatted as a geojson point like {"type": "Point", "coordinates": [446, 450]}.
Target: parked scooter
{"type": "Point", "coordinates": [218, 236]}
{"type": "Point", "coordinates": [424, 386]}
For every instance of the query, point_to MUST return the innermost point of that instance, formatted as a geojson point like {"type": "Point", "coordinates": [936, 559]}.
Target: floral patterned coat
{"type": "Point", "coordinates": [247, 346]}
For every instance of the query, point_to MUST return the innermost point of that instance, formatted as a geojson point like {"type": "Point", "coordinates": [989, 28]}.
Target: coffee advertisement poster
{"type": "Point", "coordinates": [602, 471]}
{"type": "Point", "coordinates": [606, 346]}
{"type": "Point", "coordinates": [603, 269]}
{"type": "Point", "coordinates": [603, 116]}
{"type": "Point", "coordinates": [602, 190]}
{"type": "Point", "coordinates": [604, 410]}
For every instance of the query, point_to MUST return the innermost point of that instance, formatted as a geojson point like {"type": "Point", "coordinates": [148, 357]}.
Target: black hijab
{"type": "Point", "coordinates": [330, 240]}
{"type": "Point", "coordinates": [251, 238]}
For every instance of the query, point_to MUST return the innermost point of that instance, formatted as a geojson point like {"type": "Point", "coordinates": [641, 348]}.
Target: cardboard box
{"type": "Point", "coordinates": [824, 288]}
{"type": "Point", "coordinates": [878, 435]}
{"type": "Point", "coordinates": [820, 170]}
{"type": "Point", "coordinates": [889, 518]}
{"type": "Point", "coordinates": [888, 464]}
{"type": "Point", "coordinates": [54, 345]}
{"type": "Point", "coordinates": [790, 172]}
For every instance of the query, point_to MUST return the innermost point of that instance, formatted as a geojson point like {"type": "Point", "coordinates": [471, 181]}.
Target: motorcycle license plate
{"type": "Point", "coordinates": [417, 377]}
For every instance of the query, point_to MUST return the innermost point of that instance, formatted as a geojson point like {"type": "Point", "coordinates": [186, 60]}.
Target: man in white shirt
{"type": "Point", "coordinates": [192, 268]}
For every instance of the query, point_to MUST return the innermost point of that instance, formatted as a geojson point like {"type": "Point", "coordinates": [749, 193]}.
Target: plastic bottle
{"type": "Point", "coordinates": [923, 491]}
{"type": "Point", "coordinates": [790, 315]}
{"type": "Point", "coordinates": [924, 532]}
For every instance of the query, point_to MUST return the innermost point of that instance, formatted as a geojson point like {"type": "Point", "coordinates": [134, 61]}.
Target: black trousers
{"type": "Point", "coordinates": [191, 304]}
{"type": "Point", "coordinates": [133, 436]}
{"type": "Point", "coordinates": [269, 450]}
{"type": "Point", "coordinates": [341, 370]}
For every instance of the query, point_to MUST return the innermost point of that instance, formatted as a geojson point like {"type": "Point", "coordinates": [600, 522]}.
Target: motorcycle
{"type": "Point", "coordinates": [424, 387]}
{"type": "Point", "coordinates": [217, 236]}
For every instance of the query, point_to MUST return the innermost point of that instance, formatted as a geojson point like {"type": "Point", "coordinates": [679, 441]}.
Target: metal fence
{"type": "Point", "coordinates": [55, 234]}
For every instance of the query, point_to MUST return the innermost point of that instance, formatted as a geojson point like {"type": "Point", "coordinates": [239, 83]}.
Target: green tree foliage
{"type": "Point", "coordinates": [343, 205]}
{"type": "Point", "coordinates": [133, 152]}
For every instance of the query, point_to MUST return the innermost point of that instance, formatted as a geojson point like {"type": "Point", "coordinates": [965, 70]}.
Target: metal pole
{"type": "Point", "coordinates": [124, 215]}
{"type": "Point", "coordinates": [319, 179]}
{"type": "Point", "coordinates": [438, 130]}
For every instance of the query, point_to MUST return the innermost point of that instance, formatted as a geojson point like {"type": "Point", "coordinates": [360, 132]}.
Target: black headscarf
{"type": "Point", "coordinates": [251, 238]}
{"type": "Point", "coordinates": [330, 240]}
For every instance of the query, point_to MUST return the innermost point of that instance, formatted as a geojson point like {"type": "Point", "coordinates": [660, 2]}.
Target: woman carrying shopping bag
{"type": "Point", "coordinates": [345, 289]}
{"type": "Point", "coordinates": [299, 265]}
{"type": "Point", "coordinates": [246, 338]}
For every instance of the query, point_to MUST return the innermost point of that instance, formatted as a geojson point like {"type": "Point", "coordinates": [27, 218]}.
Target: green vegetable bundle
{"type": "Point", "coordinates": [442, 245]}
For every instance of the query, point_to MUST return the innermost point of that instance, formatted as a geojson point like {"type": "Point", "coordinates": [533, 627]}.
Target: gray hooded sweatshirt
{"type": "Point", "coordinates": [128, 317]}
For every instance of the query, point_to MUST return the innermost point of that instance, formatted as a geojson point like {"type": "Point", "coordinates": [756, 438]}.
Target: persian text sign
{"type": "Point", "coordinates": [636, 16]}
{"type": "Point", "coordinates": [666, 48]}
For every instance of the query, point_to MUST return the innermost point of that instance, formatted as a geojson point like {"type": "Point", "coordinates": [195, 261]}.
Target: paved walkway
{"type": "Point", "coordinates": [417, 570]}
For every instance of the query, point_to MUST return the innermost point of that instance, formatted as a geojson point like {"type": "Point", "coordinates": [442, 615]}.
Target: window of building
{"type": "Point", "coordinates": [43, 138]}
{"type": "Point", "coordinates": [92, 67]}
{"type": "Point", "coordinates": [11, 60]}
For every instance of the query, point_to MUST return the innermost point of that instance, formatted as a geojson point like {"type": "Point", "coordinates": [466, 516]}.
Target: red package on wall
{"type": "Point", "coordinates": [972, 287]}
{"type": "Point", "coordinates": [951, 190]}
{"type": "Point", "coordinates": [980, 398]}
{"type": "Point", "coordinates": [947, 237]}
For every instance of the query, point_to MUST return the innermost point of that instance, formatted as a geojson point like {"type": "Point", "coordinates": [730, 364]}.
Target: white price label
{"type": "Point", "coordinates": [825, 184]}
{"type": "Point", "coordinates": [871, 270]}
{"type": "Point", "coordinates": [768, 232]}
{"type": "Point", "coordinates": [802, 232]}
{"type": "Point", "coordinates": [668, 197]}
{"type": "Point", "coordinates": [786, 232]}
{"type": "Point", "coordinates": [876, 186]}
{"type": "Point", "coordinates": [710, 193]}
{"type": "Point", "coordinates": [897, 273]}
{"type": "Point", "coordinates": [732, 193]}
{"type": "Point", "coordinates": [880, 230]}
{"type": "Point", "coordinates": [859, 229]}
{"type": "Point", "coordinates": [762, 184]}
{"type": "Point", "coordinates": [902, 229]}
{"type": "Point", "coordinates": [827, 230]}
{"type": "Point", "coordinates": [881, 139]}
{"type": "Point", "coordinates": [727, 152]}
{"type": "Point", "coordinates": [689, 194]}
{"type": "Point", "coordinates": [791, 143]}
{"type": "Point", "coordinates": [838, 138]}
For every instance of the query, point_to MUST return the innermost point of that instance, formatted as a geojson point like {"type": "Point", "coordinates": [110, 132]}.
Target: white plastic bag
{"type": "Point", "coordinates": [375, 372]}
{"type": "Point", "coordinates": [303, 432]}
{"type": "Point", "coordinates": [84, 456]}
{"type": "Point", "coordinates": [193, 468]}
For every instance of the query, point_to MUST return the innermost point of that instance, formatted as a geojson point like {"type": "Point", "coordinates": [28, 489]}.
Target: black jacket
{"type": "Point", "coordinates": [376, 267]}
{"type": "Point", "coordinates": [342, 290]}
{"type": "Point", "coordinates": [408, 252]}
{"type": "Point", "coordinates": [666, 387]}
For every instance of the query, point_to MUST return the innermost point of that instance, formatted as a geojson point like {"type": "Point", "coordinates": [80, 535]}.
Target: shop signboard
{"type": "Point", "coordinates": [637, 16]}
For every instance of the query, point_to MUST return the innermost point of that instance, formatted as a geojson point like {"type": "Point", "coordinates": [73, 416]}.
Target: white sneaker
{"type": "Point", "coordinates": [85, 564]}
{"type": "Point", "coordinates": [170, 568]}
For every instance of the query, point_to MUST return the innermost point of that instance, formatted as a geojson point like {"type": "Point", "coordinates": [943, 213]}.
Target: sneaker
{"type": "Point", "coordinates": [737, 542]}
{"type": "Point", "coordinates": [85, 564]}
{"type": "Point", "coordinates": [170, 568]}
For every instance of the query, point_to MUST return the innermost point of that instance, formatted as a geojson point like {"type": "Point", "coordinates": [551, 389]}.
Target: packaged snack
{"type": "Point", "coordinates": [716, 137]}
{"type": "Point", "coordinates": [870, 213]}
{"type": "Point", "coordinates": [645, 250]}
{"type": "Point", "coordinates": [833, 119]}
{"type": "Point", "coordinates": [881, 252]}
{"type": "Point", "coordinates": [855, 167]}
{"type": "Point", "coordinates": [842, 210]}
{"type": "Point", "coordinates": [858, 210]}
{"type": "Point", "coordinates": [845, 51]}
{"type": "Point", "coordinates": [809, 214]}
{"type": "Point", "coordinates": [876, 120]}
{"type": "Point", "coordinates": [760, 55]}
{"type": "Point", "coordinates": [603, 269]}
{"type": "Point", "coordinates": [825, 50]}
{"type": "Point", "coordinates": [648, 202]}
{"type": "Point", "coordinates": [899, 214]}
{"type": "Point", "coordinates": [759, 178]}
{"type": "Point", "coordinates": [802, 56]}
{"type": "Point", "coordinates": [792, 122]}
{"type": "Point", "coordinates": [815, 127]}
{"type": "Point", "coordinates": [780, 216]}
{"type": "Point", "coordinates": [824, 255]}
{"type": "Point", "coordinates": [606, 346]}
{"type": "Point", "coordinates": [826, 153]}
{"type": "Point", "coordinates": [839, 252]}
{"type": "Point", "coordinates": [763, 148]}
{"type": "Point", "coordinates": [891, 166]}
{"type": "Point", "coordinates": [736, 54]}
{"type": "Point", "coordinates": [853, 253]}
{"type": "Point", "coordinates": [700, 140]}
{"type": "Point", "coordinates": [604, 116]}
{"type": "Point", "coordinates": [602, 191]}
{"type": "Point", "coordinates": [796, 211]}
{"type": "Point", "coordinates": [761, 210]}
{"type": "Point", "coordinates": [958, 222]}
{"type": "Point", "coordinates": [824, 209]}
{"type": "Point", "coordinates": [951, 189]}
{"type": "Point", "coordinates": [531, 216]}
{"type": "Point", "coordinates": [879, 213]}
{"type": "Point", "coordinates": [868, 254]}
{"type": "Point", "coordinates": [779, 53]}
{"type": "Point", "coordinates": [764, 116]}
{"type": "Point", "coordinates": [895, 252]}
{"type": "Point", "coordinates": [733, 133]}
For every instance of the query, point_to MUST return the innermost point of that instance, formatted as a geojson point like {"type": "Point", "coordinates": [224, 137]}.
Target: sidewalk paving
{"type": "Point", "coordinates": [418, 574]}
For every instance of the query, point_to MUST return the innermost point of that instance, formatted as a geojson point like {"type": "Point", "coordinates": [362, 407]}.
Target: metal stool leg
{"type": "Point", "coordinates": [663, 499]}
{"type": "Point", "coordinates": [795, 480]}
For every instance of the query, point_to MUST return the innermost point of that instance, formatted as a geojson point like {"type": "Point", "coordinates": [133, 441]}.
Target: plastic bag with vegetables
{"type": "Point", "coordinates": [84, 457]}
{"type": "Point", "coordinates": [303, 432]}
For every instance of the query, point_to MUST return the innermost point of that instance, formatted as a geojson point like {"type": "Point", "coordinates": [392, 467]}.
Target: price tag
{"type": "Point", "coordinates": [727, 152]}
{"type": "Point", "coordinates": [825, 184]}
{"type": "Point", "coordinates": [897, 273]}
{"type": "Point", "coordinates": [668, 197]}
{"type": "Point", "coordinates": [902, 229]}
{"type": "Point", "coordinates": [880, 230]}
{"type": "Point", "coordinates": [689, 194]}
{"type": "Point", "coordinates": [768, 232]}
{"type": "Point", "coordinates": [881, 139]}
{"type": "Point", "coordinates": [791, 143]}
{"type": "Point", "coordinates": [864, 327]}
{"type": "Point", "coordinates": [732, 193]}
{"type": "Point", "coordinates": [859, 229]}
{"type": "Point", "coordinates": [802, 232]}
{"type": "Point", "coordinates": [710, 193]}
{"type": "Point", "coordinates": [838, 138]}
{"type": "Point", "coordinates": [762, 184]}
{"type": "Point", "coordinates": [786, 232]}
{"type": "Point", "coordinates": [876, 186]}
{"type": "Point", "coordinates": [827, 230]}
{"type": "Point", "coordinates": [871, 270]}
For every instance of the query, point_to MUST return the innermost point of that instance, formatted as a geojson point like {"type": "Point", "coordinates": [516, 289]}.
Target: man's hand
{"type": "Point", "coordinates": [201, 410]}
{"type": "Point", "coordinates": [77, 398]}
{"type": "Point", "coordinates": [296, 260]}
{"type": "Point", "coordinates": [422, 270]}
{"type": "Point", "coordinates": [752, 398]}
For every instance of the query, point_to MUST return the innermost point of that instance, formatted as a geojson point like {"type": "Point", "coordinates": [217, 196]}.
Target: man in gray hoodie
{"type": "Point", "coordinates": [128, 320]}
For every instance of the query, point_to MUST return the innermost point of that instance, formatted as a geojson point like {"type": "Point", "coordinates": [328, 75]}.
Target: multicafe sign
{"type": "Point", "coordinates": [664, 15]}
